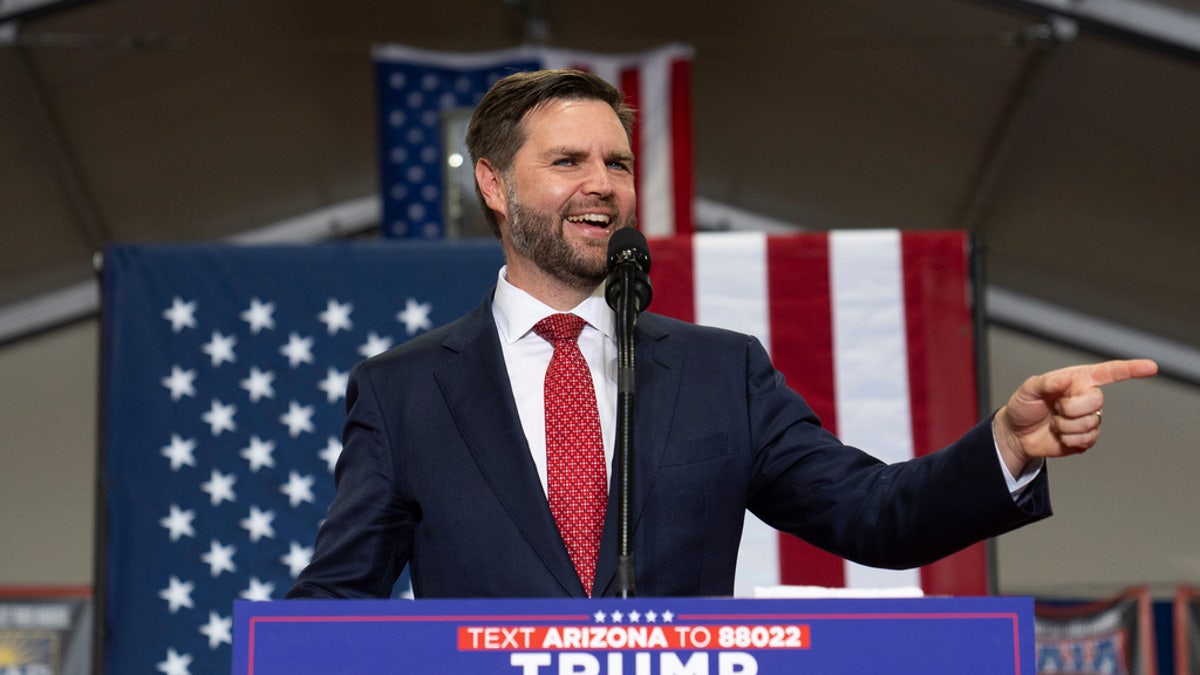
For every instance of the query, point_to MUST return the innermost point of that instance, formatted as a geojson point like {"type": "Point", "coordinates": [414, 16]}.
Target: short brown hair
{"type": "Point", "coordinates": [496, 131]}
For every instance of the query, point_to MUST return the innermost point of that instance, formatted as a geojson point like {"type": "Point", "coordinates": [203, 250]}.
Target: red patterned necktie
{"type": "Point", "coordinates": [576, 480]}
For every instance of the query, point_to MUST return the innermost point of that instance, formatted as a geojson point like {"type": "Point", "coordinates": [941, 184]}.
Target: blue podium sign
{"type": "Point", "coordinates": [643, 636]}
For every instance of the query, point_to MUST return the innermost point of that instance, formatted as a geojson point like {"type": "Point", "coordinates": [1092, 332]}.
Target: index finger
{"type": "Point", "coordinates": [1119, 371]}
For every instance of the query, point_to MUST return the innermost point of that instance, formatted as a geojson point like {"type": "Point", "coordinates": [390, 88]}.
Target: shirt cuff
{"type": "Point", "coordinates": [1017, 484]}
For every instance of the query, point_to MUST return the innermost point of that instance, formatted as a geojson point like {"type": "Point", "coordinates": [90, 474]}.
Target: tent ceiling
{"type": "Point", "coordinates": [1074, 162]}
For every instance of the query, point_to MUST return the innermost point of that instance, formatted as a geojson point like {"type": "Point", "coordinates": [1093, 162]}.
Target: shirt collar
{"type": "Point", "coordinates": [516, 311]}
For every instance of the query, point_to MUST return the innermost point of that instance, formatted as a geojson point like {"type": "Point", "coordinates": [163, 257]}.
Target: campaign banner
{"type": "Point", "coordinates": [1108, 637]}
{"type": "Point", "coordinates": [644, 636]}
{"type": "Point", "coordinates": [45, 631]}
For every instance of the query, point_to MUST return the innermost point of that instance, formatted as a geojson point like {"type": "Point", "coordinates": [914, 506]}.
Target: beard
{"type": "Point", "coordinates": [538, 236]}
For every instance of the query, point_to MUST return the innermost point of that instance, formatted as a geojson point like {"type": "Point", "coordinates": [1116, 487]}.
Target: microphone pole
{"type": "Point", "coordinates": [628, 292]}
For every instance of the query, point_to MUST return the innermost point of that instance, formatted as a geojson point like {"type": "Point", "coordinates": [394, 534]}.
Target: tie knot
{"type": "Point", "coordinates": [558, 327]}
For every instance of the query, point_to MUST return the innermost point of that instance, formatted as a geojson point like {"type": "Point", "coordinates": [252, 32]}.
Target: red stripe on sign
{"type": "Point", "coordinates": [631, 86]}
{"type": "Point", "coordinates": [681, 143]}
{"type": "Point", "coordinates": [942, 376]}
{"type": "Point", "coordinates": [672, 278]}
{"type": "Point", "coordinates": [802, 349]}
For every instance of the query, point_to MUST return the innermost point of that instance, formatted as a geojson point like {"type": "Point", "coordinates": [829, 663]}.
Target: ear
{"type": "Point", "coordinates": [491, 186]}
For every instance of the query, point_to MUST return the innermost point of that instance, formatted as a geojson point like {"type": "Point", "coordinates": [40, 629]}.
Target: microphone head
{"type": "Point", "coordinates": [628, 244]}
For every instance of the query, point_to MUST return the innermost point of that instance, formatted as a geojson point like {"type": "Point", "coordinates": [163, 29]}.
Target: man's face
{"type": "Point", "coordinates": [570, 186]}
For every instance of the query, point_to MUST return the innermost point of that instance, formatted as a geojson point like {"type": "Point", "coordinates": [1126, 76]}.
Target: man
{"type": "Point", "coordinates": [453, 460]}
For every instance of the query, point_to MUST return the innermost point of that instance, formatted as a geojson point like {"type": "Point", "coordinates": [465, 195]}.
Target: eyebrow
{"type": "Point", "coordinates": [575, 153]}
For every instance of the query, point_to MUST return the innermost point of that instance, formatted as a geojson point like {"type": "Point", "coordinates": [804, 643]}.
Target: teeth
{"type": "Point", "coordinates": [592, 218]}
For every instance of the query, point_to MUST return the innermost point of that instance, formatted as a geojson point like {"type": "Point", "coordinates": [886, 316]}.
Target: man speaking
{"type": "Point", "coordinates": [479, 454]}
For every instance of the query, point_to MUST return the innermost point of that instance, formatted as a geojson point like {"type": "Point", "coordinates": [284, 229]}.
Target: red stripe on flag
{"type": "Point", "coordinates": [631, 87]}
{"type": "Point", "coordinates": [941, 371]}
{"type": "Point", "coordinates": [672, 278]}
{"type": "Point", "coordinates": [681, 143]}
{"type": "Point", "coordinates": [802, 349]}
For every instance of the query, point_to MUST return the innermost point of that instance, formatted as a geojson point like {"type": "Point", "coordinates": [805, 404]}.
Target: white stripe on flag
{"type": "Point", "coordinates": [653, 168]}
{"type": "Point", "coordinates": [731, 292]}
{"type": "Point", "coordinates": [871, 362]}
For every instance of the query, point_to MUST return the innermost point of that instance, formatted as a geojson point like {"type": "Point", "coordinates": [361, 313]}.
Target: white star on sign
{"type": "Point", "coordinates": [297, 350]}
{"type": "Point", "coordinates": [336, 316]}
{"type": "Point", "coordinates": [297, 558]}
{"type": "Point", "coordinates": [218, 630]}
{"type": "Point", "coordinates": [331, 452]}
{"type": "Point", "coordinates": [181, 314]}
{"type": "Point", "coordinates": [258, 384]}
{"type": "Point", "coordinates": [259, 316]}
{"type": "Point", "coordinates": [599, 616]}
{"type": "Point", "coordinates": [220, 348]}
{"type": "Point", "coordinates": [180, 452]}
{"type": "Point", "coordinates": [180, 383]}
{"type": "Point", "coordinates": [617, 616]}
{"type": "Point", "coordinates": [298, 489]}
{"type": "Point", "coordinates": [175, 664]}
{"type": "Point", "coordinates": [220, 417]}
{"type": "Point", "coordinates": [298, 419]}
{"type": "Point", "coordinates": [258, 591]}
{"type": "Point", "coordinates": [177, 594]}
{"type": "Point", "coordinates": [651, 616]}
{"type": "Point", "coordinates": [220, 558]}
{"type": "Point", "coordinates": [375, 345]}
{"type": "Point", "coordinates": [258, 453]}
{"type": "Point", "coordinates": [258, 524]}
{"type": "Point", "coordinates": [179, 523]}
{"type": "Point", "coordinates": [415, 316]}
{"type": "Point", "coordinates": [220, 487]}
{"type": "Point", "coordinates": [334, 384]}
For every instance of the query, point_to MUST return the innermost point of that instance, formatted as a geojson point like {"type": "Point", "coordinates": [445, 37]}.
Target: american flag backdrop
{"type": "Point", "coordinates": [417, 89]}
{"type": "Point", "coordinates": [224, 369]}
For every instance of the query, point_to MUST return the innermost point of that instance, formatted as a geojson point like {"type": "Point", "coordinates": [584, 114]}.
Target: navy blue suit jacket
{"type": "Point", "coordinates": [436, 474]}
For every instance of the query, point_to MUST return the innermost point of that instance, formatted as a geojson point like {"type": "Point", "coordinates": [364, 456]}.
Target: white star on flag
{"type": "Point", "coordinates": [298, 419]}
{"type": "Point", "coordinates": [336, 316]}
{"type": "Point", "coordinates": [179, 523]}
{"type": "Point", "coordinates": [415, 316]}
{"type": "Point", "coordinates": [298, 489]}
{"type": "Point", "coordinates": [297, 558]}
{"type": "Point", "coordinates": [220, 487]}
{"type": "Point", "coordinates": [374, 345]}
{"type": "Point", "coordinates": [180, 452]}
{"type": "Point", "coordinates": [257, 591]}
{"type": "Point", "coordinates": [258, 524]}
{"type": "Point", "coordinates": [218, 630]}
{"type": "Point", "coordinates": [258, 384]}
{"type": "Point", "coordinates": [177, 594]}
{"type": "Point", "coordinates": [176, 664]}
{"type": "Point", "coordinates": [180, 382]}
{"type": "Point", "coordinates": [334, 385]}
{"type": "Point", "coordinates": [259, 316]}
{"type": "Point", "coordinates": [258, 453]}
{"type": "Point", "coordinates": [220, 558]}
{"type": "Point", "coordinates": [220, 348]}
{"type": "Point", "coordinates": [297, 350]}
{"type": "Point", "coordinates": [331, 452]}
{"type": "Point", "coordinates": [220, 417]}
{"type": "Point", "coordinates": [181, 314]}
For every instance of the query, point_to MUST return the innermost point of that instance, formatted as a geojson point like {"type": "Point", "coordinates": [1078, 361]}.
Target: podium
{"type": "Point", "coordinates": [641, 636]}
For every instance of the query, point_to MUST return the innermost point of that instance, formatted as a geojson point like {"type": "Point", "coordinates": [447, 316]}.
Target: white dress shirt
{"type": "Point", "coordinates": [527, 356]}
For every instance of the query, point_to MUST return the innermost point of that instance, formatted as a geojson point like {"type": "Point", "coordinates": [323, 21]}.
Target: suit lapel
{"type": "Point", "coordinates": [656, 389]}
{"type": "Point", "coordinates": [477, 391]}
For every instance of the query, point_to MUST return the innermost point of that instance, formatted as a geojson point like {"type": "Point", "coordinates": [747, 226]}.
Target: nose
{"type": "Point", "coordinates": [598, 179]}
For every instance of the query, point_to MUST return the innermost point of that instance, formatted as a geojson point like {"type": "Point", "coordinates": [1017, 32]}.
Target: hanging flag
{"type": "Point", "coordinates": [1114, 636]}
{"type": "Point", "coordinates": [425, 99]}
{"type": "Point", "coordinates": [225, 369]}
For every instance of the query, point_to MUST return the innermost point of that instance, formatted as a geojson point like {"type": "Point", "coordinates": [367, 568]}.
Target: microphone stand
{"type": "Point", "coordinates": [626, 310]}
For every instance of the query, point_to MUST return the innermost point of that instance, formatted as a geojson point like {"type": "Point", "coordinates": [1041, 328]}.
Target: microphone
{"type": "Point", "coordinates": [628, 268]}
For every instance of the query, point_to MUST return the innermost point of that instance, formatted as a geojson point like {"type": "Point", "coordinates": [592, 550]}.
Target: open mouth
{"type": "Point", "coordinates": [601, 220]}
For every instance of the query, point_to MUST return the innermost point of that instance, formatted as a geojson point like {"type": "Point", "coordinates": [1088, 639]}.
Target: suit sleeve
{"type": "Point", "coordinates": [366, 539]}
{"type": "Point", "coordinates": [806, 482]}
